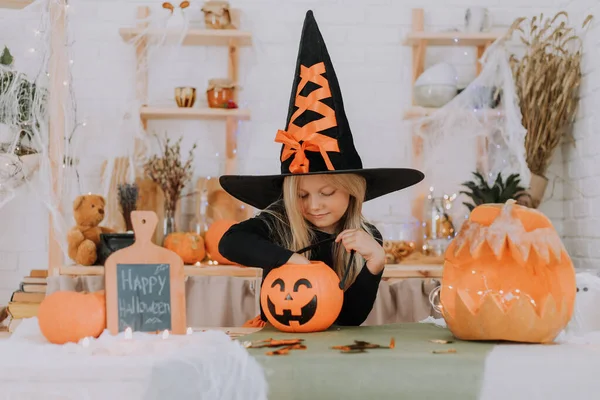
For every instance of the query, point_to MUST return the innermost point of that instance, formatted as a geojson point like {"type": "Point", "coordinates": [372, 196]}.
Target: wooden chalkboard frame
{"type": "Point", "coordinates": [143, 251]}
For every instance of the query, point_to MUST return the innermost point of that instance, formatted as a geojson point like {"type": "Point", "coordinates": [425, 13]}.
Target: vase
{"type": "Point", "coordinates": [537, 188]}
{"type": "Point", "coordinates": [169, 225]}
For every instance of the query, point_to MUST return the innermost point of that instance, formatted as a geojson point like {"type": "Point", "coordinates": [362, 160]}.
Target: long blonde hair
{"type": "Point", "coordinates": [293, 232]}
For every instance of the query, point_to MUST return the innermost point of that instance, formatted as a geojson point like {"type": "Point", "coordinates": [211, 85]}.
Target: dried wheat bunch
{"type": "Point", "coordinates": [547, 80]}
{"type": "Point", "coordinates": [170, 172]}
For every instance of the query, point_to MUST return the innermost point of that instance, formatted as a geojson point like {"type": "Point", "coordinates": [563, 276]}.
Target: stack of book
{"type": "Point", "coordinates": [25, 301]}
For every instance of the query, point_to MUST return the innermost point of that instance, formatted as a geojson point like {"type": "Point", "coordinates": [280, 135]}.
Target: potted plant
{"type": "Point", "coordinates": [500, 192]}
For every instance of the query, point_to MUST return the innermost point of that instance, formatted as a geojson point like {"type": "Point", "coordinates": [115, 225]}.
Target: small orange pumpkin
{"type": "Point", "coordinates": [188, 245]}
{"type": "Point", "coordinates": [507, 276]}
{"type": "Point", "coordinates": [67, 316]}
{"type": "Point", "coordinates": [213, 235]}
{"type": "Point", "coordinates": [302, 298]}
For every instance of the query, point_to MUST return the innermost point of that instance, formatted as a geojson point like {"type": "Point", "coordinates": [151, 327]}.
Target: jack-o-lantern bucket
{"type": "Point", "coordinates": [507, 276]}
{"type": "Point", "coordinates": [302, 297]}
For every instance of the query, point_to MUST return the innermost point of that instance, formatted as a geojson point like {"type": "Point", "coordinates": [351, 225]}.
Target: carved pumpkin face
{"type": "Point", "coordinates": [508, 277]}
{"type": "Point", "coordinates": [66, 316]}
{"type": "Point", "coordinates": [302, 298]}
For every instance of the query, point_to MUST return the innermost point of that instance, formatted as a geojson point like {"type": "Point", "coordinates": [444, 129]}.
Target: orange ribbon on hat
{"type": "Point", "coordinates": [308, 134]}
{"type": "Point", "coordinates": [314, 142]}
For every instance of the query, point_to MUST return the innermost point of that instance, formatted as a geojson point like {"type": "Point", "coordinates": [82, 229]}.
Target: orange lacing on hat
{"type": "Point", "coordinates": [311, 140]}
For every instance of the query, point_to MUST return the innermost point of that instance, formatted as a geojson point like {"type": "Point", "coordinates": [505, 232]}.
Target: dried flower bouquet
{"type": "Point", "coordinates": [169, 171]}
{"type": "Point", "coordinates": [547, 80]}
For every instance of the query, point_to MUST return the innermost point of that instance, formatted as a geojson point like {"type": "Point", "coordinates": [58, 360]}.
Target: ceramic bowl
{"type": "Point", "coordinates": [434, 95]}
{"type": "Point", "coordinates": [438, 74]}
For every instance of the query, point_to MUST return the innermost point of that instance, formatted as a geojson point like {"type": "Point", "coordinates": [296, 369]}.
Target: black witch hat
{"type": "Point", "coordinates": [318, 139]}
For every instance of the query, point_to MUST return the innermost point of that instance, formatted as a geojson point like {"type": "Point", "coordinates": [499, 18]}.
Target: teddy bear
{"type": "Point", "coordinates": [84, 237]}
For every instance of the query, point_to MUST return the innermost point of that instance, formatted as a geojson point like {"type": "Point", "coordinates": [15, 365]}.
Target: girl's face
{"type": "Point", "coordinates": [322, 204]}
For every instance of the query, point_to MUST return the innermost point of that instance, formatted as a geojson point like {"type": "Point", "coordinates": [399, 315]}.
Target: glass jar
{"type": "Point", "coordinates": [438, 228]}
{"type": "Point", "coordinates": [219, 93]}
{"type": "Point", "coordinates": [400, 234]}
{"type": "Point", "coordinates": [217, 15]}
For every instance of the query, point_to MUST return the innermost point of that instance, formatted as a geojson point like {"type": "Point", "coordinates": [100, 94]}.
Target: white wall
{"type": "Point", "coordinates": [581, 166]}
{"type": "Point", "coordinates": [364, 38]}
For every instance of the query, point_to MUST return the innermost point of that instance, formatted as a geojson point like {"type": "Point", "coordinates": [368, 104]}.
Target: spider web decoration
{"type": "Point", "coordinates": [27, 86]}
{"type": "Point", "coordinates": [486, 112]}
{"type": "Point", "coordinates": [23, 97]}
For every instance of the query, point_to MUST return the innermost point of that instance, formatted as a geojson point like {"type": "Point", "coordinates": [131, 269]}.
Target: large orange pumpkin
{"type": "Point", "coordinates": [66, 316]}
{"type": "Point", "coordinates": [302, 298]}
{"type": "Point", "coordinates": [213, 235]}
{"type": "Point", "coordinates": [188, 245]}
{"type": "Point", "coordinates": [507, 276]}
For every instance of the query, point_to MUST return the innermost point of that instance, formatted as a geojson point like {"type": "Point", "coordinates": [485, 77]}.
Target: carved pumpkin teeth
{"type": "Point", "coordinates": [278, 309]}
{"type": "Point", "coordinates": [495, 320]}
{"type": "Point", "coordinates": [498, 244]}
{"type": "Point", "coordinates": [542, 250]}
{"type": "Point", "coordinates": [520, 253]}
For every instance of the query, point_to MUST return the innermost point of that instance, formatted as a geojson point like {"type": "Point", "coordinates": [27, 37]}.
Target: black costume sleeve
{"type": "Point", "coordinates": [360, 296]}
{"type": "Point", "coordinates": [248, 243]}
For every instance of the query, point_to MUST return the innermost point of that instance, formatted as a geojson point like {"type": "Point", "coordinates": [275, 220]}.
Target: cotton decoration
{"type": "Point", "coordinates": [201, 365]}
{"type": "Point", "coordinates": [485, 111]}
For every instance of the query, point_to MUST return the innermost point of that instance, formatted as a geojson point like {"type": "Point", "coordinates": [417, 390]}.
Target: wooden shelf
{"type": "Point", "coordinates": [420, 112]}
{"type": "Point", "coordinates": [452, 38]}
{"type": "Point", "coordinates": [15, 4]}
{"type": "Point", "coordinates": [156, 113]}
{"type": "Point", "coordinates": [391, 271]}
{"type": "Point", "coordinates": [194, 37]}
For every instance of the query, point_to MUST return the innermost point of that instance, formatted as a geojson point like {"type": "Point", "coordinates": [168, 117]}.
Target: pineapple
{"type": "Point", "coordinates": [499, 192]}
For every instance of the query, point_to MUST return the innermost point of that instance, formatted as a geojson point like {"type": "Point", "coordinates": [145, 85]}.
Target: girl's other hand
{"type": "Point", "coordinates": [365, 245]}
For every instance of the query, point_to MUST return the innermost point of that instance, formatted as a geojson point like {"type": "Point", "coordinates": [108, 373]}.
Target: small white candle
{"type": "Point", "coordinates": [85, 342]}
{"type": "Point", "coordinates": [128, 333]}
{"type": "Point", "coordinates": [165, 334]}
{"type": "Point", "coordinates": [189, 330]}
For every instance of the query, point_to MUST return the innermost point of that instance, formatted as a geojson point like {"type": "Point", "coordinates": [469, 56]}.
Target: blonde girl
{"type": "Point", "coordinates": [316, 199]}
{"type": "Point", "coordinates": [315, 208]}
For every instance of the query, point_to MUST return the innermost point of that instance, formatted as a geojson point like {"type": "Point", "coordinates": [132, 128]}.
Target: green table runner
{"type": "Point", "coordinates": [409, 371]}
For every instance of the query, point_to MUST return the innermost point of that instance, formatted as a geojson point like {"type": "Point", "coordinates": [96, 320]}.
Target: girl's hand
{"type": "Point", "coordinates": [365, 245]}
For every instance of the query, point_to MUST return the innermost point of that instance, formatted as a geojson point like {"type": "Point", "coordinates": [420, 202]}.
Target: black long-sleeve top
{"type": "Point", "coordinates": [249, 243]}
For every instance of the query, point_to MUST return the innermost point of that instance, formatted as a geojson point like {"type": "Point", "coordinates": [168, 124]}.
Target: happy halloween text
{"type": "Point", "coordinates": [145, 285]}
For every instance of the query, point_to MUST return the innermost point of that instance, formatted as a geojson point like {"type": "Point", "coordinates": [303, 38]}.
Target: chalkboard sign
{"type": "Point", "coordinates": [144, 297]}
{"type": "Point", "coordinates": [145, 284]}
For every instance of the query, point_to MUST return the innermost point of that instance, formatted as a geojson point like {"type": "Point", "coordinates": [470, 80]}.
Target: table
{"type": "Point", "coordinates": [228, 296]}
{"type": "Point", "coordinates": [478, 370]}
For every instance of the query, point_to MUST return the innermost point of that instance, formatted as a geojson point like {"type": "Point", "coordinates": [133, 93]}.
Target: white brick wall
{"type": "Point", "coordinates": [581, 168]}
{"type": "Point", "coordinates": [364, 38]}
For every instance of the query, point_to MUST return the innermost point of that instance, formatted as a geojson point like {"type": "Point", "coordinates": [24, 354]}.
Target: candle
{"type": "Point", "coordinates": [165, 334]}
{"type": "Point", "coordinates": [85, 342]}
{"type": "Point", "coordinates": [189, 330]}
{"type": "Point", "coordinates": [128, 333]}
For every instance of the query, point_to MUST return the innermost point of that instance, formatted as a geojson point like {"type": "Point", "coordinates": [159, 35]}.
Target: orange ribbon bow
{"type": "Point", "coordinates": [315, 142]}
{"type": "Point", "coordinates": [308, 134]}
